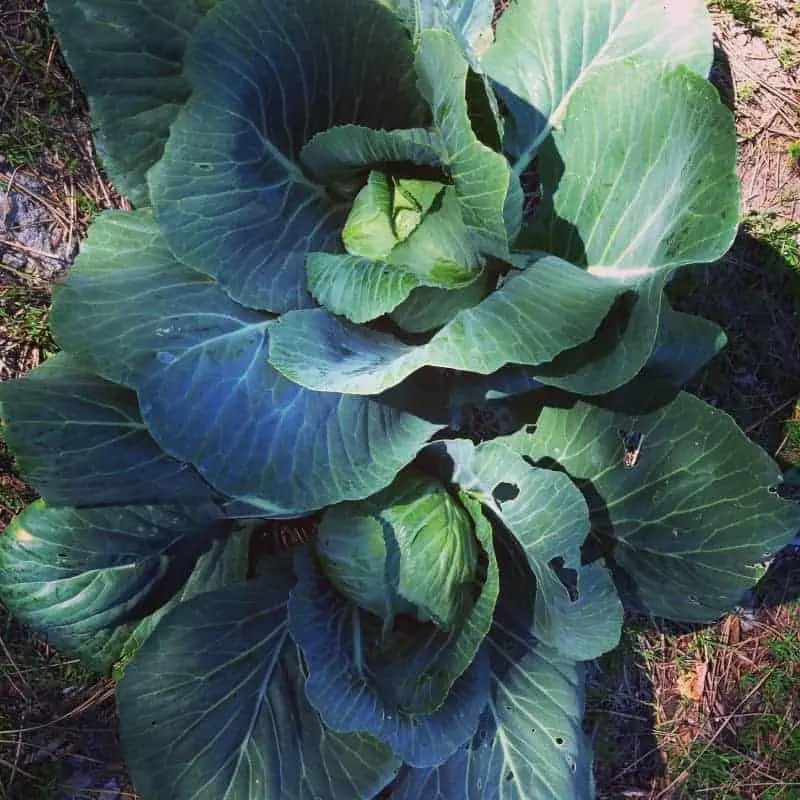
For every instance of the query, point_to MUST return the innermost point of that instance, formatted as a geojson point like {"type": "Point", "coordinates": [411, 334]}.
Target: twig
{"type": "Point", "coordinates": [24, 277]}
{"type": "Point", "coordinates": [14, 666]}
{"type": "Point", "coordinates": [54, 210]}
{"type": "Point", "coordinates": [98, 176]}
{"type": "Point", "coordinates": [761, 128]}
{"type": "Point", "coordinates": [73, 212]}
{"type": "Point", "coordinates": [100, 696]}
{"type": "Point", "coordinates": [7, 198]}
{"type": "Point", "coordinates": [632, 766]}
{"type": "Point", "coordinates": [781, 446]}
{"type": "Point", "coordinates": [29, 250]}
{"type": "Point", "coordinates": [19, 771]}
{"type": "Point", "coordinates": [771, 414]}
{"type": "Point", "coordinates": [791, 102]}
{"type": "Point", "coordinates": [15, 765]}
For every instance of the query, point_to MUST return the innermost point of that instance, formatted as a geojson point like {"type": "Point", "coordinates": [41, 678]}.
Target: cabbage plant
{"type": "Point", "coordinates": [396, 275]}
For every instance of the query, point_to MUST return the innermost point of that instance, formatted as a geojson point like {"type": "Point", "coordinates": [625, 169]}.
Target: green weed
{"type": "Point", "coordinates": [710, 769]}
{"type": "Point", "coordinates": [780, 236]}
{"type": "Point", "coordinates": [747, 92]}
{"type": "Point", "coordinates": [743, 11]}
{"type": "Point", "coordinates": [25, 142]}
{"type": "Point", "coordinates": [12, 498]}
{"type": "Point", "coordinates": [793, 151]}
{"type": "Point", "coordinates": [39, 97]}
{"type": "Point", "coordinates": [87, 207]}
{"type": "Point", "coordinates": [24, 317]}
{"type": "Point", "coordinates": [787, 56]}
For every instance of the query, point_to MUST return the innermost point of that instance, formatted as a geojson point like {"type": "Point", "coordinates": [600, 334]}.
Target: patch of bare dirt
{"type": "Point", "coordinates": [764, 63]}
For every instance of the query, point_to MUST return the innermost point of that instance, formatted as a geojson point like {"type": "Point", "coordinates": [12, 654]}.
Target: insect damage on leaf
{"type": "Point", "coordinates": [632, 442]}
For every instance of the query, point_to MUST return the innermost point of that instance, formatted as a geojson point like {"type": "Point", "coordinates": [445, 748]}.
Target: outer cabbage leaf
{"type": "Point", "coordinates": [529, 741]}
{"type": "Point", "coordinates": [357, 288]}
{"type": "Point", "coordinates": [428, 307]}
{"type": "Point", "coordinates": [128, 57]}
{"type": "Point", "coordinates": [537, 313]}
{"type": "Point", "coordinates": [481, 176]}
{"type": "Point", "coordinates": [81, 441]}
{"type": "Point", "coordinates": [232, 197]}
{"type": "Point", "coordinates": [469, 21]}
{"type": "Point", "coordinates": [416, 689]}
{"type": "Point", "coordinates": [687, 526]}
{"type": "Point", "coordinates": [213, 706]}
{"type": "Point", "coordinates": [577, 613]}
{"type": "Point", "coordinates": [632, 190]}
{"type": "Point", "coordinates": [207, 394]}
{"type": "Point", "coordinates": [96, 581]}
{"type": "Point", "coordinates": [338, 152]}
{"type": "Point", "coordinates": [684, 344]}
{"type": "Point", "coordinates": [546, 51]}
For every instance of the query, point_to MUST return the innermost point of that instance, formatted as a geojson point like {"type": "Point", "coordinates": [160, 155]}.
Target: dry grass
{"type": "Point", "coordinates": [57, 722]}
{"type": "Point", "coordinates": [705, 713]}
{"type": "Point", "coordinates": [763, 56]}
{"type": "Point", "coordinates": [55, 718]}
{"type": "Point", "coordinates": [46, 150]}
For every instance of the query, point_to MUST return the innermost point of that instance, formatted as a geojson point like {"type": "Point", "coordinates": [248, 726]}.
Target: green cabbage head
{"type": "Point", "coordinates": [410, 549]}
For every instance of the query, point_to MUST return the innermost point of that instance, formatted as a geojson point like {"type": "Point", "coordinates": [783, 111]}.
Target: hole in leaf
{"type": "Point", "coordinates": [504, 492]}
{"type": "Point", "coordinates": [559, 741]}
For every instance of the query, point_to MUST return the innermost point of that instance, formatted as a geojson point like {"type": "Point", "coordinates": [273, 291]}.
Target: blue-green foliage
{"type": "Point", "coordinates": [334, 307]}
